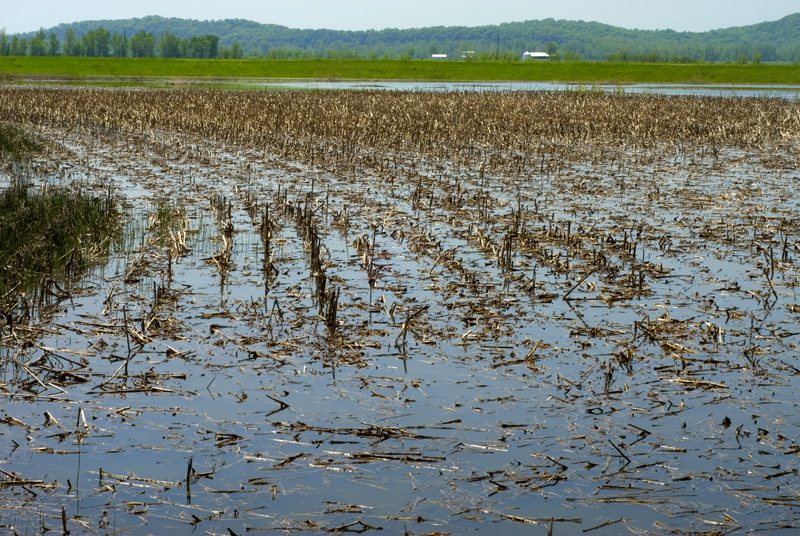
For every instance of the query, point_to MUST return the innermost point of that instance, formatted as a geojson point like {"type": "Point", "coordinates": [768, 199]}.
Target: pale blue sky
{"type": "Point", "coordinates": [682, 15]}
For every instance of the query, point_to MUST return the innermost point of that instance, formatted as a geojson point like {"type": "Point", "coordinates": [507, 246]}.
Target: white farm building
{"type": "Point", "coordinates": [535, 55]}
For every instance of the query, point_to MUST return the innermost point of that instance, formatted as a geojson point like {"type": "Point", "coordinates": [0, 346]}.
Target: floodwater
{"type": "Point", "coordinates": [630, 364]}
{"type": "Point", "coordinates": [715, 90]}
{"type": "Point", "coordinates": [774, 91]}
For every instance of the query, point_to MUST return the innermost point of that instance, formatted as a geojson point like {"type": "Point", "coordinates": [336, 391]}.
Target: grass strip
{"type": "Point", "coordinates": [76, 68]}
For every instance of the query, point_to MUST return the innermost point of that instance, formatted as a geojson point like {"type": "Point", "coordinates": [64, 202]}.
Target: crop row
{"type": "Point", "coordinates": [508, 130]}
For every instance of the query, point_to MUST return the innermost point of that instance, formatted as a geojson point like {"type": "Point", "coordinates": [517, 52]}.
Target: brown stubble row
{"type": "Point", "coordinates": [419, 141]}
{"type": "Point", "coordinates": [412, 139]}
{"type": "Point", "coordinates": [504, 130]}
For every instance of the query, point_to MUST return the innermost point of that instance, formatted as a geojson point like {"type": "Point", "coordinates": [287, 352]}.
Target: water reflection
{"type": "Point", "coordinates": [726, 90]}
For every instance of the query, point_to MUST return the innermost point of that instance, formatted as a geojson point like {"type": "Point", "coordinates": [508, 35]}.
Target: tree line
{"type": "Point", "coordinates": [102, 43]}
{"type": "Point", "coordinates": [774, 41]}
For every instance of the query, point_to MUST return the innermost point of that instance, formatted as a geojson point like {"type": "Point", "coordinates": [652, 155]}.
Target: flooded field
{"type": "Point", "coordinates": [413, 313]}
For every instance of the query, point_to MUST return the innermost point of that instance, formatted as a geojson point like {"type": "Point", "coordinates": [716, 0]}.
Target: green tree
{"type": "Point", "coordinates": [119, 45]}
{"type": "Point", "coordinates": [53, 45]}
{"type": "Point", "coordinates": [184, 48]}
{"type": "Point", "coordinates": [196, 47]}
{"type": "Point", "coordinates": [169, 46]}
{"type": "Point", "coordinates": [143, 45]}
{"type": "Point", "coordinates": [4, 44]}
{"type": "Point", "coordinates": [620, 56]}
{"type": "Point", "coordinates": [71, 44]}
{"type": "Point", "coordinates": [768, 51]}
{"type": "Point", "coordinates": [37, 44]}
{"type": "Point", "coordinates": [212, 42]}
{"type": "Point", "coordinates": [204, 46]}
{"type": "Point", "coordinates": [17, 47]}
{"type": "Point", "coordinates": [710, 53]}
{"type": "Point", "coordinates": [96, 43]}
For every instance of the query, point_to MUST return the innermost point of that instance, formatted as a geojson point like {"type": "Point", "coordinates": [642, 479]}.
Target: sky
{"type": "Point", "coordinates": [679, 15]}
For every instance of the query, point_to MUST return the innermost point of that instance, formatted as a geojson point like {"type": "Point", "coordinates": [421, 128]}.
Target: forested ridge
{"type": "Point", "coordinates": [773, 41]}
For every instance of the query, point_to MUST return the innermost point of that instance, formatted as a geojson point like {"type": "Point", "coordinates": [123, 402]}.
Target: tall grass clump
{"type": "Point", "coordinates": [17, 144]}
{"type": "Point", "coordinates": [52, 233]}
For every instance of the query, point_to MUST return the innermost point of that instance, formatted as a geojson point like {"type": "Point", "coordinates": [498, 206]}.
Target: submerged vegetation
{"type": "Point", "coordinates": [16, 144]}
{"type": "Point", "coordinates": [48, 235]}
{"type": "Point", "coordinates": [426, 313]}
{"type": "Point", "coordinates": [49, 232]}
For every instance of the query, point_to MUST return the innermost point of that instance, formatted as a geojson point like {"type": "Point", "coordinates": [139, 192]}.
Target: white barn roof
{"type": "Point", "coordinates": [535, 55]}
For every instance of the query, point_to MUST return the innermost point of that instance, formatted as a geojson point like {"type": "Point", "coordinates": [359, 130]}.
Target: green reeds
{"type": "Point", "coordinates": [17, 144]}
{"type": "Point", "coordinates": [53, 232]}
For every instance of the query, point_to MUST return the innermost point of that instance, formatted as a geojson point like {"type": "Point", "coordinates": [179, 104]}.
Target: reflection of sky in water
{"type": "Point", "coordinates": [776, 91]}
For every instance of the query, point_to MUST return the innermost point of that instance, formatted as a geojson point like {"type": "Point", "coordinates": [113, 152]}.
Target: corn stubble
{"type": "Point", "coordinates": [601, 251]}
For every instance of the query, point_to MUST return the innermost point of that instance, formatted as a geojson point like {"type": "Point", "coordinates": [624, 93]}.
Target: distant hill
{"type": "Point", "coordinates": [768, 41]}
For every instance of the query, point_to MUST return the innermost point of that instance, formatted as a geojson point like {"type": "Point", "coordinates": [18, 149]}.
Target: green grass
{"type": "Point", "coordinates": [55, 232]}
{"type": "Point", "coordinates": [571, 72]}
{"type": "Point", "coordinates": [17, 144]}
{"type": "Point", "coordinates": [52, 232]}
